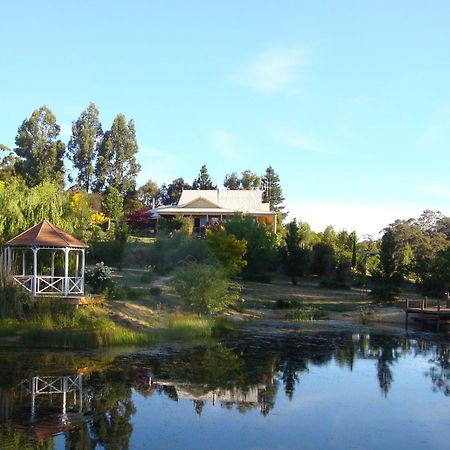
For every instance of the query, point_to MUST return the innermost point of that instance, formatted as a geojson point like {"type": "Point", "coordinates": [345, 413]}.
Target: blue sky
{"type": "Point", "coordinates": [349, 101]}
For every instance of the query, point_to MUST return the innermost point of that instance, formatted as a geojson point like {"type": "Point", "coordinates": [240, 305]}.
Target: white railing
{"type": "Point", "coordinates": [48, 285]}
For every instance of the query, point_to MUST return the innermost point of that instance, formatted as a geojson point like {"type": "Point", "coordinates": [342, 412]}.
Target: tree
{"type": "Point", "coordinates": [149, 193]}
{"type": "Point", "coordinates": [7, 163]}
{"type": "Point", "coordinates": [272, 190]}
{"type": "Point", "coordinates": [116, 162]}
{"type": "Point", "coordinates": [261, 253]}
{"type": "Point", "coordinates": [204, 287]}
{"type": "Point", "coordinates": [232, 181]}
{"type": "Point", "coordinates": [203, 181]}
{"type": "Point", "coordinates": [323, 259]}
{"type": "Point", "coordinates": [41, 154]}
{"type": "Point", "coordinates": [295, 257]}
{"type": "Point", "coordinates": [170, 195]}
{"type": "Point", "coordinates": [86, 136]}
{"type": "Point", "coordinates": [249, 180]}
{"type": "Point", "coordinates": [112, 203]}
{"type": "Point", "coordinates": [228, 250]}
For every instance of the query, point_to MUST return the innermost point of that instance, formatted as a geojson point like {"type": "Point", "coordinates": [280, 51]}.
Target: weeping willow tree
{"type": "Point", "coordinates": [22, 207]}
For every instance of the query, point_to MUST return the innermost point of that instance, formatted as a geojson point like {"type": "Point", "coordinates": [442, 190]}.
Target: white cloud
{"type": "Point", "coordinates": [364, 218]}
{"type": "Point", "coordinates": [223, 141]}
{"type": "Point", "coordinates": [272, 70]}
{"type": "Point", "coordinates": [436, 190]}
{"type": "Point", "coordinates": [305, 143]}
{"type": "Point", "coordinates": [159, 165]}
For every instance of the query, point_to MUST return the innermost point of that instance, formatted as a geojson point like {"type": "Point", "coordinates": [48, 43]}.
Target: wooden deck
{"type": "Point", "coordinates": [425, 311]}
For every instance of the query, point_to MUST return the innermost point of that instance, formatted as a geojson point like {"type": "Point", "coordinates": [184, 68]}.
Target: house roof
{"type": "Point", "coordinates": [218, 201]}
{"type": "Point", "coordinates": [45, 234]}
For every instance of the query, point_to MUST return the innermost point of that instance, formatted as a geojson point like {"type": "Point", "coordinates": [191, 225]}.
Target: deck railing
{"type": "Point", "coordinates": [48, 285]}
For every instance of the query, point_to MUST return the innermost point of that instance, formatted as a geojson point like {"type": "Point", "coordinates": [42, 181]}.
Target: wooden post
{"type": "Point", "coordinates": [422, 304]}
{"type": "Point", "coordinates": [77, 263]}
{"type": "Point", "coordinates": [53, 264]}
{"type": "Point", "coordinates": [66, 271]}
{"type": "Point", "coordinates": [23, 262]}
{"type": "Point", "coordinates": [426, 302]}
{"type": "Point", "coordinates": [34, 281]}
{"type": "Point", "coordinates": [83, 266]}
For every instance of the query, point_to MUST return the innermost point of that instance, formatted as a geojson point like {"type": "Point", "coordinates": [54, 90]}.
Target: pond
{"type": "Point", "coordinates": [261, 388]}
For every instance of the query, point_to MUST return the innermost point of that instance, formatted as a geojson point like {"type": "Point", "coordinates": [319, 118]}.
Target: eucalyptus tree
{"type": "Point", "coordinates": [41, 153]}
{"type": "Point", "coordinates": [116, 165]}
{"type": "Point", "coordinates": [86, 136]}
{"type": "Point", "coordinates": [232, 181]}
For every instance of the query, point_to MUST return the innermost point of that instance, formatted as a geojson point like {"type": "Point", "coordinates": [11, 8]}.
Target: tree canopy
{"type": "Point", "coordinates": [41, 154]}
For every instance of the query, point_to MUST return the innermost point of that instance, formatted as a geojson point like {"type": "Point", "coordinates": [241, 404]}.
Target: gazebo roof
{"type": "Point", "coordinates": [45, 234]}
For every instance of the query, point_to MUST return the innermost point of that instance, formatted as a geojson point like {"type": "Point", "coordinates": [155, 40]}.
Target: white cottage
{"type": "Point", "coordinates": [206, 207]}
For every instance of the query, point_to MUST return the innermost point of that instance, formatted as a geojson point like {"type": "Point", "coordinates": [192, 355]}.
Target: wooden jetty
{"type": "Point", "coordinates": [425, 311]}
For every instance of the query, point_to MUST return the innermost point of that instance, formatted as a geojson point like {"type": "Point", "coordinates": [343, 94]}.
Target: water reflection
{"type": "Point", "coordinates": [93, 403]}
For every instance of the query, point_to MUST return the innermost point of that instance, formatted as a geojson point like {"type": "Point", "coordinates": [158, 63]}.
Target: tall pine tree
{"type": "Point", "coordinates": [41, 153]}
{"type": "Point", "coordinates": [116, 165]}
{"type": "Point", "coordinates": [203, 181]}
{"type": "Point", "coordinates": [272, 194]}
{"type": "Point", "coordinates": [86, 136]}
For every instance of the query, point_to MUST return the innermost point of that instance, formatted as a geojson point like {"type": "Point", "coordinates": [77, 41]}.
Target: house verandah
{"type": "Point", "coordinates": [46, 261]}
{"type": "Point", "coordinates": [207, 207]}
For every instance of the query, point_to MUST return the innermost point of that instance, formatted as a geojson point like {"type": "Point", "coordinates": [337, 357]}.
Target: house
{"type": "Point", "coordinates": [207, 207]}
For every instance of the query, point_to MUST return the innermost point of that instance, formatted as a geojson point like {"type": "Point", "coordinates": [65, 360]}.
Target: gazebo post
{"type": "Point", "coordinates": [23, 262]}
{"type": "Point", "coordinates": [77, 263]}
{"type": "Point", "coordinates": [53, 263]}
{"type": "Point", "coordinates": [83, 266]}
{"type": "Point", "coordinates": [66, 270]}
{"type": "Point", "coordinates": [35, 263]}
{"type": "Point", "coordinates": [9, 267]}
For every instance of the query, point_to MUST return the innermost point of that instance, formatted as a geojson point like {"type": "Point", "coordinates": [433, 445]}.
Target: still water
{"type": "Point", "coordinates": [262, 388]}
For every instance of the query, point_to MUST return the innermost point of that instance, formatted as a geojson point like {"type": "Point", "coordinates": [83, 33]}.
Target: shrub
{"type": "Point", "coordinates": [155, 291]}
{"type": "Point", "coordinates": [385, 293]}
{"type": "Point", "coordinates": [228, 249]}
{"type": "Point", "coordinates": [305, 314]}
{"type": "Point", "coordinates": [335, 284]}
{"type": "Point", "coordinates": [169, 252]}
{"type": "Point", "coordinates": [285, 304]}
{"type": "Point", "coordinates": [13, 298]}
{"type": "Point", "coordinates": [99, 278]}
{"type": "Point", "coordinates": [204, 287]}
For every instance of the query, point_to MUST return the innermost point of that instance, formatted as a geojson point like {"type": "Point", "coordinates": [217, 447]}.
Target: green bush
{"type": "Point", "coordinates": [204, 287]}
{"type": "Point", "coordinates": [385, 293]}
{"type": "Point", "coordinates": [14, 300]}
{"type": "Point", "coordinates": [155, 291]}
{"type": "Point", "coordinates": [99, 278]}
{"type": "Point", "coordinates": [170, 251]}
{"type": "Point", "coordinates": [335, 284]}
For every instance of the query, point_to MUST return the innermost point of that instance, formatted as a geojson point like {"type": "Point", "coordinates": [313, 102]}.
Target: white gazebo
{"type": "Point", "coordinates": [45, 261]}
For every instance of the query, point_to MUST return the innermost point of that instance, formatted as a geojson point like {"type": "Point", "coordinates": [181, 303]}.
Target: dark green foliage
{"type": "Point", "coordinates": [204, 287]}
{"type": "Point", "coordinates": [334, 284]}
{"type": "Point", "coordinates": [203, 181]}
{"type": "Point", "coordinates": [354, 239]}
{"type": "Point", "coordinates": [169, 252]}
{"type": "Point", "coordinates": [116, 165]}
{"type": "Point", "coordinates": [170, 224]}
{"type": "Point", "coordinates": [273, 193]}
{"type": "Point", "coordinates": [295, 256]}
{"type": "Point", "coordinates": [41, 154]}
{"type": "Point", "coordinates": [170, 194]}
{"type": "Point", "coordinates": [112, 203]}
{"type": "Point", "coordinates": [232, 181]}
{"type": "Point", "coordinates": [13, 299]}
{"type": "Point", "coordinates": [86, 135]}
{"type": "Point", "coordinates": [155, 291]}
{"type": "Point", "coordinates": [286, 304]}
{"type": "Point", "coordinates": [323, 259]}
{"type": "Point", "coordinates": [385, 293]}
{"type": "Point", "coordinates": [262, 253]}
{"type": "Point", "coordinates": [149, 193]}
{"type": "Point", "coordinates": [258, 277]}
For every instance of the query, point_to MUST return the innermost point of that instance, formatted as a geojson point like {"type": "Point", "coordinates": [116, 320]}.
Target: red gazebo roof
{"type": "Point", "coordinates": [45, 234]}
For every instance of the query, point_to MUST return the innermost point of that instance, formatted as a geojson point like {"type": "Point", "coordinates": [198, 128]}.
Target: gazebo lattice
{"type": "Point", "coordinates": [43, 279]}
